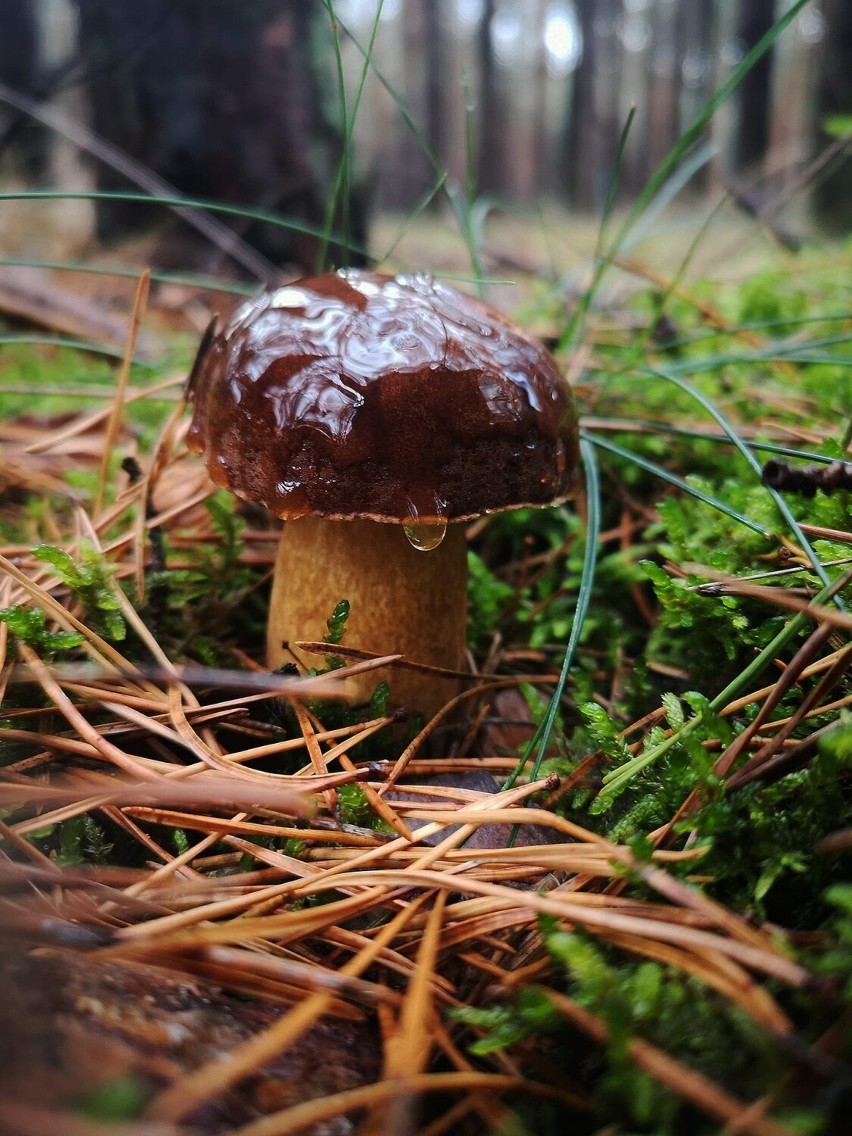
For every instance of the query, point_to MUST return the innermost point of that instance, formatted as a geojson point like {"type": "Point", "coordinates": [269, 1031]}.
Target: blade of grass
{"type": "Point", "coordinates": [541, 738]}
{"type": "Point", "coordinates": [194, 213]}
{"type": "Point", "coordinates": [458, 201]}
{"type": "Point", "coordinates": [652, 426]}
{"type": "Point", "coordinates": [599, 259]}
{"type": "Point", "coordinates": [668, 167]}
{"type": "Point", "coordinates": [186, 279]}
{"type": "Point", "coordinates": [743, 448]}
{"type": "Point", "coordinates": [262, 215]}
{"type": "Point", "coordinates": [693, 131]}
{"type": "Point", "coordinates": [340, 192]}
{"type": "Point", "coordinates": [673, 479]}
{"type": "Point", "coordinates": [77, 345]}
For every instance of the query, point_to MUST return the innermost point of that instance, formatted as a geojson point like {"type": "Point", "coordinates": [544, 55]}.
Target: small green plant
{"type": "Point", "coordinates": [29, 624]}
{"type": "Point", "coordinates": [527, 1015]}
{"type": "Point", "coordinates": [336, 624]}
{"type": "Point", "coordinates": [90, 582]}
{"type": "Point", "coordinates": [83, 840]}
{"type": "Point", "coordinates": [203, 608]}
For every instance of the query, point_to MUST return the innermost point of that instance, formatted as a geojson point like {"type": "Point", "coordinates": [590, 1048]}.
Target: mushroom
{"type": "Point", "coordinates": [374, 414]}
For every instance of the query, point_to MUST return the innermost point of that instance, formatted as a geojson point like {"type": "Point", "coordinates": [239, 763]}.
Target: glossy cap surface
{"type": "Point", "coordinates": [388, 397]}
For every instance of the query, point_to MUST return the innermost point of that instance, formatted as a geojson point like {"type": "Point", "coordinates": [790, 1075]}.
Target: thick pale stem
{"type": "Point", "coordinates": [402, 601]}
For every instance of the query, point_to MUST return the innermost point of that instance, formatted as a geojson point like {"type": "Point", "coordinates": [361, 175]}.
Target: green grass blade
{"type": "Point", "coordinates": [600, 261]}
{"type": "Point", "coordinates": [710, 407]}
{"type": "Point", "coordinates": [692, 133]}
{"type": "Point", "coordinates": [223, 207]}
{"type": "Point", "coordinates": [77, 344]}
{"type": "Point", "coordinates": [538, 744]}
{"type": "Point", "coordinates": [339, 194]}
{"type": "Point", "coordinates": [672, 478]}
{"type": "Point", "coordinates": [342, 188]}
{"type": "Point", "coordinates": [653, 426]}
{"type": "Point", "coordinates": [656, 187]}
{"type": "Point", "coordinates": [185, 279]}
{"type": "Point", "coordinates": [457, 200]}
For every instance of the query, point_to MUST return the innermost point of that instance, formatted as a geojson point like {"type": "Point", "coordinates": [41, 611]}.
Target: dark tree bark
{"type": "Point", "coordinates": [755, 92]}
{"type": "Point", "coordinates": [225, 101]}
{"type": "Point", "coordinates": [697, 30]}
{"type": "Point", "coordinates": [592, 127]}
{"type": "Point", "coordinates": [663, 84]}
{"type": "Point", "coordinates": [436, 80]}
{"type": "Point", "coordinates": [490, 160]}
{"type": "Point", "coordinates": [541, 181]}
{"type": "Point", "coordinates": [415, 171]}
{"type": "Point", "coordinates": [833, 192]}
{"type": "Point", "coordinates": [581, 127]}
{"type": "Point", "coordinates": [19, 69]}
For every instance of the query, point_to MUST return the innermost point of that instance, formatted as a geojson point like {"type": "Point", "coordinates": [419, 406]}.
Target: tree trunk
{"type": "Point", "coordinates": [435, 78]}
{"type": "Point", "coordinates": [580, 157]}
{"type": "Point", "coordinates": [21, 139]}
{"type": "Point", "coordinates": [594, 127]}
{"type": "Point", "coordinates": [541, 180]}
{"type": "Point", "coordinates": [833, 192]}
{"type": "Point", "coordinates": [663, 84]}
{"type": "Point", "coordinates": [752, 136]}
{"type": "Point", "coordinates": [223, 101]}
{"type": "Point", "coordinates": [490, 162]}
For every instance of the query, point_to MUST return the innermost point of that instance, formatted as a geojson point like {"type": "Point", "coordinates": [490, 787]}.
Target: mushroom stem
{"type": "Point", "coordinates": [402, 601]}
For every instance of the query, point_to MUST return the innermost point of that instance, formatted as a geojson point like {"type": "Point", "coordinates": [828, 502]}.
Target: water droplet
{"type": "Point", "coordinates": [219, 473]}
{"type": "Point", "coordinates": [426, 524]}
{"type": "Point", "coordinates": [425, 536]}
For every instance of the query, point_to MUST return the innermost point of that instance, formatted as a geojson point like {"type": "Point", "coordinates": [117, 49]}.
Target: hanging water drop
{"type": "Point", "coordinates": [425, 523]}
{"type": "Point", "coordinates": [425, 535]}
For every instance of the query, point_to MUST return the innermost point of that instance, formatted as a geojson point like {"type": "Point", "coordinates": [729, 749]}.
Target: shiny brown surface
{"type": "Point", "coordinates": [355, 394]}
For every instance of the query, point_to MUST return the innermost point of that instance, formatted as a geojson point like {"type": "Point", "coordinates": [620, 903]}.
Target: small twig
{"type": "Point", "coordinates": [807, 480]}
{"type": "Point", "coordinates": [117, 409]}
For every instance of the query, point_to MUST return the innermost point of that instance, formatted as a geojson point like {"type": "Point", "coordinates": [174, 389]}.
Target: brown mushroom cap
{"type": "Point", "coordinates": [385, 397]}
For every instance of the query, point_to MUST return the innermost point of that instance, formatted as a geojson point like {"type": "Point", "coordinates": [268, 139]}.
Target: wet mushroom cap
{"type": "Point", "coordinates": [393, 398]}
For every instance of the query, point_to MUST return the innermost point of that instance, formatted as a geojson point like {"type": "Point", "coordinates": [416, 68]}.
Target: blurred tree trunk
{"type": "Point", "coordinates": [38, 60]}
{"type": "Point", "coordinates": [490, 163]}
{"type": "Point", "coordinates": [580, 156]}
{"type": "Point", "coordinates": [21, 139]}
{"type": "Point", "coordinates": [422, 31]}
{"type": "Point", "coordinates": [723, 126]}
{"type": "Point", "coordinates": [663, 84]}
{"type": "Point", "coordinates": [698, 29]}
{"type": "Point", "coordinates": [436, 80]}
{"type": "Point", "coordinates": [593, 126]}
{"type": "Point", "coordinates": [224, 101]}
{"type": "Point", "coordinates": [833, 192]}
{"type": "Point", "coordinates": [792, 111]}
{"type": "Point", "coordinates": [752, 136]}
{"type": "Point", "coordinates": [541, 180]}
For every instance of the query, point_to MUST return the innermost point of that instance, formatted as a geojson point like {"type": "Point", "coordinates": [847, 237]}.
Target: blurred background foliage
{"type": "Point", "coordinates": [516, 102]}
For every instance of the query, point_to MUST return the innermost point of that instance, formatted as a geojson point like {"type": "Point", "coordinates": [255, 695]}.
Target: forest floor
{"type": "Point", "coordinates": [216, 919]}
